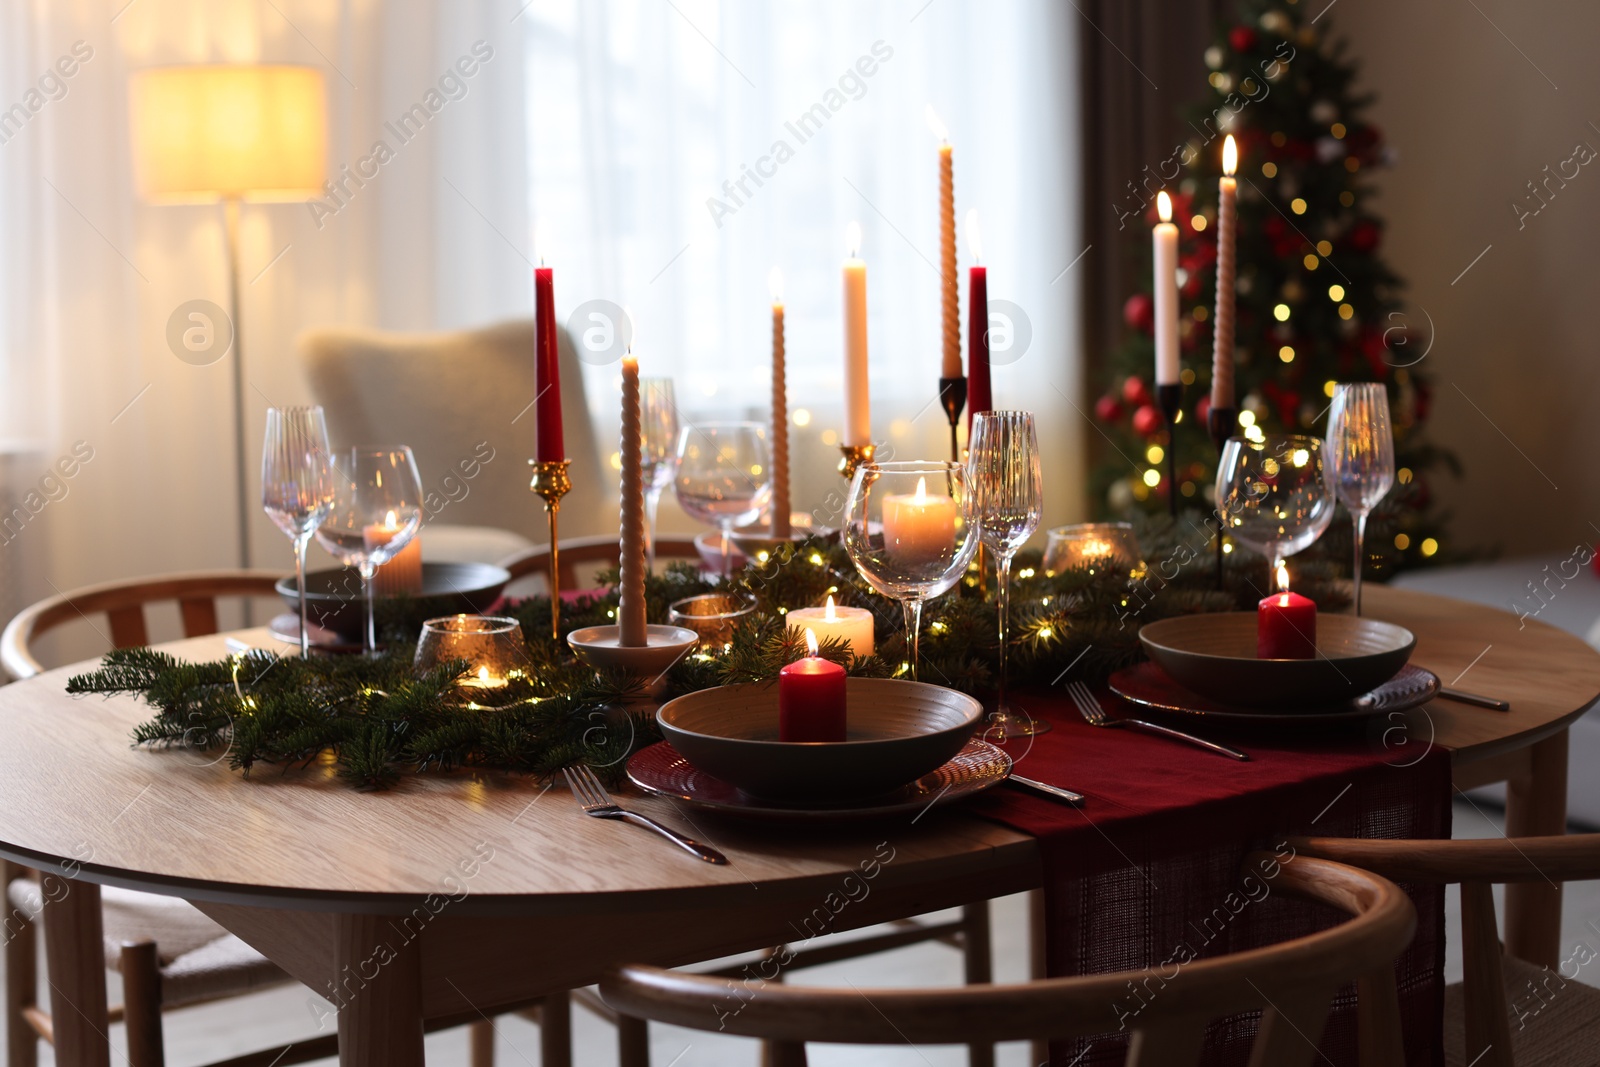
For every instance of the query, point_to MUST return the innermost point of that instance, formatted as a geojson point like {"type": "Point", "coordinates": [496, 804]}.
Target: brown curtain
{"type": "Point", "coordinates": [1141, 63]}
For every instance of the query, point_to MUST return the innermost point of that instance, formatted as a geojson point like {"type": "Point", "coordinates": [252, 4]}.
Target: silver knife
{"type": "Point", "coordinates": [1048, 790]}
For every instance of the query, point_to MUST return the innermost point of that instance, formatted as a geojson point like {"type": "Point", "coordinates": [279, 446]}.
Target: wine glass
{"type": "Point", "coordinates": [908, 528]}
{"type": "Point", "coordinates": [297, 486]}
{"type": "Point", "coordinates": [377, 510]}
{"type": "Point", "coordinates": [1007, 499]}
{"type": "Point", "coordinates": [1274, 494]}
{"type": "Point", "coordinates": [1361, 454]}
{"type": "Point", "coordinates": [658, 443]}
{"type": "Point", "coordinates": [723, 476]}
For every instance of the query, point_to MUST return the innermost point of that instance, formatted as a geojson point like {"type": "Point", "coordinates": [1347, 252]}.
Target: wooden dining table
{"type": "Point", "coordinates": [453, 896]}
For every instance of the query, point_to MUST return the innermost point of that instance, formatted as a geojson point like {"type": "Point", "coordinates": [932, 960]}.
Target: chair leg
{"type": "Point", "coordinates": [22, 979]}
{"type": "Point", "coordinates": [633, 1042]}
{"type": "Point", "coordinates": [141, 999]}
{"type": "Point", "coordinates": [788, 1054]}
{"type": "Point", "coordinates": [480, 1043]}
{"type": "Point", "coordinates": [555, 1030]}
{"type": "Point", "coordinates": [978, 956]}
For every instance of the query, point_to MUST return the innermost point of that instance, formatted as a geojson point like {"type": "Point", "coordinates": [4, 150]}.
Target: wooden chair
{"type": "Point", "coordinates": [970, 934]}
{"type": "Point", "coordinates": [1507, 1011]}
{"type": "Point", "coordinates": [169, 954]}
{"type": "Point", "coordinates": [1293, 982]}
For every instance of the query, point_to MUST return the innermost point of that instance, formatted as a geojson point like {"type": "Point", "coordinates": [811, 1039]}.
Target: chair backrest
{"type": "Point", "coordinates": [463, 401]}
{"type": "Point", "coordinates": [1478, 866]}
{"type": "Point", "coordinates": [122, 603]}
{"type": "Point", "coordinates": [600, 551]}
{"type": "Point", "coordinates": [1292, 982]}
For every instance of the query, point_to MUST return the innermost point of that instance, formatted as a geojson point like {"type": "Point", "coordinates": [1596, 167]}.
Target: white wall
{"type": "Point", "coordinates": [1477, 110]}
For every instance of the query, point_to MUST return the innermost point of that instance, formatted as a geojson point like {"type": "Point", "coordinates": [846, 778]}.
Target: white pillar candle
{"type": "Point", "coordinates": [918, 527]}
{"type": "Point", "coordinates": [854, 625]}
{"type": "Point", "coordinates": [1166, 285]}
{"type": "Point", "coordinates": [857, 404]}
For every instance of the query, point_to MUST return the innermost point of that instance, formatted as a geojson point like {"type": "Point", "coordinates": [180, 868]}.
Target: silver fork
{"type": "Point", "coordinates": [1089, 707]}
{"type": "Point", "coordinates": [594, 800]}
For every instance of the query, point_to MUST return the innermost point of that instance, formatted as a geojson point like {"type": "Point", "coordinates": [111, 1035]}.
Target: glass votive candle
{"type": "Point", "coordinates": [711, 615]}
{"type": "Point", "coordinates": [491, 644]}
{"type": "Point", "coordinates": [1088, 543]}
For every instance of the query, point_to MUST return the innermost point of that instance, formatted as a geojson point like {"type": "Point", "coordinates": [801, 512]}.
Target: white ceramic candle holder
{"type": "Point", "coordinates": [598, 647]}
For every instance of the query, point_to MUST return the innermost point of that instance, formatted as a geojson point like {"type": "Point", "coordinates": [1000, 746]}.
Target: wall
{"type": "Point", "coordinates": [1476, 110]}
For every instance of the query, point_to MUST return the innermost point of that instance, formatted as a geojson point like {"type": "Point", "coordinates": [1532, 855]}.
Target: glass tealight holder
{"type": "Point", "coordinates": [1088, 544]}
{"type": "Point", "coordinates": [491, 644]}
{"type": "Point", "coordinates": [712, 615]}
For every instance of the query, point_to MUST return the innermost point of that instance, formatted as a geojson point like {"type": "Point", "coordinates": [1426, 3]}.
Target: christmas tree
{"type": "Point", "coordinates": [1315, 303]}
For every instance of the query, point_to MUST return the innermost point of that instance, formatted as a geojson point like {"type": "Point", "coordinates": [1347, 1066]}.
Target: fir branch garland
{"type": "Point", "coordinates": [376, 720]}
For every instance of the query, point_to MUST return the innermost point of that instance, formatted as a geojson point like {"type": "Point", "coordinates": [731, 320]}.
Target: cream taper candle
{"type": "Point", "coordinates": [1165, 238]}
{"type": "Point", "coordinates": [1222, 331]}
{"type": "Point", "coordinates": [631, 631]}
{"type": "Point", "coordinates": [857, 402]}
{"type": "Point", "coordinates": [780, 415]}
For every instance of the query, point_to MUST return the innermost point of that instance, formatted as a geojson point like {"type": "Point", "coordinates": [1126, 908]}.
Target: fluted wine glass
{"type": "Point", "coordinates": [1007, 493]}
{"type": "Point", "coordinates": [908, 528]}
{"type": "Point", "coordinates": [1361, 455]}
{"type": "Point", "coordinates": [377, 510]}
{"type": "Point", "coordinates": [297, 486]}
{"type": "Point", "coordinates": [658, 445]}
{"type": "Point", "coordinates": [1275, 494]}
{"type": "Point", "coordinates": [723, 476]}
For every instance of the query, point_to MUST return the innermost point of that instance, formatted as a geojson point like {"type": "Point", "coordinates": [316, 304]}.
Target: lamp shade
{"type": "Point", "coordinates": [201, 133]}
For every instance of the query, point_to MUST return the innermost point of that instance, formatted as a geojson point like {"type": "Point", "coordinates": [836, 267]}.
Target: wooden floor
{"type": "Point", "coordinates": [206, 1033]}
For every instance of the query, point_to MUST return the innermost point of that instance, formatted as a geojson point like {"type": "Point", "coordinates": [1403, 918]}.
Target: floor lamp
{"type": "Point", "coordinates": [230, 133]}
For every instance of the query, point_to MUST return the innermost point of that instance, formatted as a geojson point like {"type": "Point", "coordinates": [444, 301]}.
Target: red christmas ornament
{"type": "Point", "coordinates": [1147, 421]}
{"type": "Point", "coordinates": [1140, 312]}
{"type": "Point", "coordinates": [1107, 409]}
{"type": "Point", "coordinates": [1242, 39]}
{"type": "Point", "coordinates": [1202, 412]}
{"type": "Point", "coordinates": [1135, 392]}
{"type": "Point", "coordinates": [1365, 235]}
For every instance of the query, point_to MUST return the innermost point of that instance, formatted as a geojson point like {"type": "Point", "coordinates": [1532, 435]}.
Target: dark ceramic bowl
{"type": "Point", "coordinates": [1215, 655]}
{"type": "Point", "coordinates": [335, 599]}
{"type": "Point", "coordinates": [896, 732]}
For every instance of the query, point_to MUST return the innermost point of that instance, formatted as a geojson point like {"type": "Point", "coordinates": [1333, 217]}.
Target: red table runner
{"type": "Point", "coordinates": [1147, 871]}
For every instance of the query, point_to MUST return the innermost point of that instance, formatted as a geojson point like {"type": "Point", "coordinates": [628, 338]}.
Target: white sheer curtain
{"type": "Point", "coordinates": [671, 169]}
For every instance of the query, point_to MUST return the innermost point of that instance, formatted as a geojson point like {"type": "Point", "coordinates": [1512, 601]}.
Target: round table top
{"type": "Point", "coordinates": [73, 791]}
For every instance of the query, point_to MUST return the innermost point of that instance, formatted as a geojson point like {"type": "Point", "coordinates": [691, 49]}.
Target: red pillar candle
{"type": "Point", "coordinates": [979, 395]}
{"type": "Point", "coordinates": [547, 369]}
{"type": "Point", "coordinates": [811, 698]}
{"type": "Point", "coordinates": [1286, 624]}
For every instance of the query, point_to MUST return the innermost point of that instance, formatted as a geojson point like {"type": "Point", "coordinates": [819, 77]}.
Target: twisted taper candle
{"type": "Point", "coordinates": [780, 429]}
{"type": "Point", "coordinates": [1222, 395]}
{"type": "Point", "coordinates": [631, 632]}
{"type": "Point", "coordinates": [951, 365]}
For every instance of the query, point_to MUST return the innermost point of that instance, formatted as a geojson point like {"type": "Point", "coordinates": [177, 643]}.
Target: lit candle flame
{"type": "Point", "coordinates": [775, 284]}
{"type": "Point", "coordinates": [831, 614]}
{"type": "Point", "coordinates": [390, 522]}
{"type": "Point", "coordinates": [1230, 156]}
{"type": "Point", "coordinates": [921, 496]}
{"type": "Point", "coordinates": [974, 237]}
{"type": "Point", "coordinates": [852, 238]}
{"type": "Point", "coordinates": [483, 674]}
{"type": "Point", "coordinates": [936, 124]}
{"type": "Point", "coordinates": [1283, 577]}
{"type": "Point", "coordinates": [1164, 206]}
{"type": "Point", "coordinates": [811, 641]}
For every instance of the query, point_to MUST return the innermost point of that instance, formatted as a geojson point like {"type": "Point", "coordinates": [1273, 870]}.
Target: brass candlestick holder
{"type": "Point", "coordinates": [953, 397]}
{"type": "Point", "coordinates": [552, 482]}
{"type": "Point", "coordinates": [854, 457]}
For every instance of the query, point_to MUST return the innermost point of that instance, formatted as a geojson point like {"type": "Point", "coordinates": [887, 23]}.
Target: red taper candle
{"type": "Point", "coordinates": [547, 369]}
{"type": "Point", "coordinates": [1286, 623]}
{"type": "Point", "coordinates": [811, 701]}
{"type": "Point", "coordinates": [979, 395]}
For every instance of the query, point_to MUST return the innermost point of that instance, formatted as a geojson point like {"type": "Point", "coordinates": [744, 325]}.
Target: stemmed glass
{"type": "Point", "coordinates": [377, 510]}
{"type": "Point", "coordinates": [723, 476]}
{"type": "Point", "coordinates": [908, 528]}
{"type": "Point", "coordinates": [1274, 494]}
{"type": "Point", "coordinates": [658, 443]}
{"type": "Point", "coordinates": [1007, 491]}
{"type": "Point", "coordinates": [297, 486]}
{"type": "Point", "coordinates": [1361, 454]}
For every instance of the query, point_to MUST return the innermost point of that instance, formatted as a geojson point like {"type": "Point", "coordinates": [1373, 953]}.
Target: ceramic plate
{"type": "Point", "coordinates": [336, 602]}
{"type": "Point", "coordinates": [1148, 685]}
{"type": "Point", "coordinates": [659, 769]}
{"type": "Point", "coordinates": [1215, 655]}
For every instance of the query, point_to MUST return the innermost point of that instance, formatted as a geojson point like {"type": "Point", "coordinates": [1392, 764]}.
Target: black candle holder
{"type": "Point", "coordinates": [953, 397]}
{"type": "Point", "coordinates": [1170, 397]}
{"type": "Point", "coordinates": [1221, 423]}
